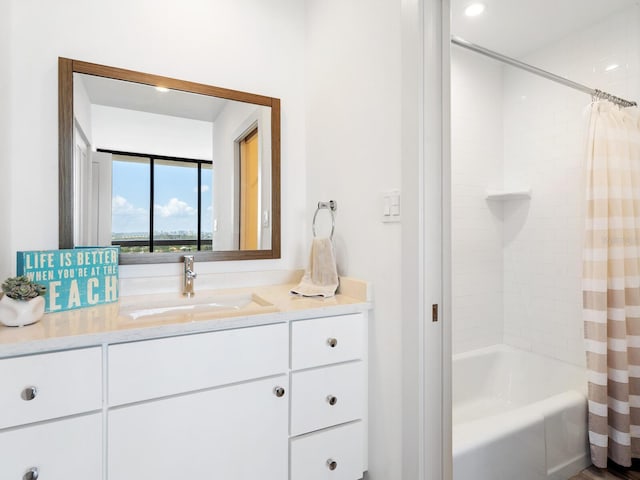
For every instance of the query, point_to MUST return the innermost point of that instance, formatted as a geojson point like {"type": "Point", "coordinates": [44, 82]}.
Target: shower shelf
{"type": "Point", "coordinates": [508, 194]}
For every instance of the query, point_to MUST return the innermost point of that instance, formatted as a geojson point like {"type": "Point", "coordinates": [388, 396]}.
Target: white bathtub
{"type": "Point", "coordinates": [517, 415]}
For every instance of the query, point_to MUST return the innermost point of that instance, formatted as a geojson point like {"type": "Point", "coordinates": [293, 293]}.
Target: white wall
{"type": "Point", "coordinates": [143, 132]}
{"type": "Point", "coordinates": [6, 161]}
{"type": "Point", "coordinates": [353, 71]}
{"type": "Point", "coordinates": [544, 147]}
{"type": "Point", "coordinates": [199, 41]}
{"type": "Point", "coordinates": [476, 152]}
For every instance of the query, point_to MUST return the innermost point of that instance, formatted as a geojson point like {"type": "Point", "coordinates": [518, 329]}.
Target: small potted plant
{"type": "Point", "coordinates": [22, 302]}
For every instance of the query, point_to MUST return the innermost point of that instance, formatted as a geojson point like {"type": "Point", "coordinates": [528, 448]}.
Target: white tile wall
{"type": "Point", "coordinates": [524, 130]}
{"type": "Point", "coordinates": [477, 233]}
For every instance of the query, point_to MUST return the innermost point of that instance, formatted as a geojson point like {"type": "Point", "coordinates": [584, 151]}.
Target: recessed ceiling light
{"type": "Point", "coordinates": [162, 89]}
{"type": "Point", "coordinates": [474, 9]}
{"type": "Point", "coordinates": [613, 66]}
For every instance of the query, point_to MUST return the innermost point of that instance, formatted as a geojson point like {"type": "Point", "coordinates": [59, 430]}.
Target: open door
{"type": "Point", "coordinates": [249, 192]}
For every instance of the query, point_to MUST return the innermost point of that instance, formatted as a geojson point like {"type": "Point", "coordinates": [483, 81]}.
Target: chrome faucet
{"type": "Point", "coordinates": [189, 276]}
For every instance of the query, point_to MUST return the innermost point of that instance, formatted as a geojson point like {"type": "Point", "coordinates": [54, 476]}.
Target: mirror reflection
{"type": "Point", "coordinates": [167, 170]}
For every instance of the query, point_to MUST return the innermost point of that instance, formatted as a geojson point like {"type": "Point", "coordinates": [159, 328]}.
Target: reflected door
{"type": "Point", "coordinates": [249, 192]}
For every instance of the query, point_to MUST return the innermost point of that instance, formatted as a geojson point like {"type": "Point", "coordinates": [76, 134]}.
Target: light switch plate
{"type": "Point", "coordinates": [391, 206]}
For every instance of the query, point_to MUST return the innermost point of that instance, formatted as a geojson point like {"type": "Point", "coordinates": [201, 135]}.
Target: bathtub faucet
{"type": "Point", "coordinates": [189, 276]}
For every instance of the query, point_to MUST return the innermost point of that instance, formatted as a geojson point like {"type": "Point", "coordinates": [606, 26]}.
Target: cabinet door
{"type": "Point", "coordinates": [322, 341]}
{"type": "Point", "coordinates": [237, 432]}
{"type": "Point", "coordinates": [50, 385]}
{"type": "Point", "coordinates": [327, 396]}
{"type": "Point", "coordinates": [62, 450]}
{"type": "Point", "coordinates": [331, 454]}
{"type": "Point", "coordinates": [167, 366]}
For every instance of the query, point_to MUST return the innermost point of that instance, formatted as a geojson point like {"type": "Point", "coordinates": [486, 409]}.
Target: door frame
{"type": "Point", "coordinates": [426, 240]}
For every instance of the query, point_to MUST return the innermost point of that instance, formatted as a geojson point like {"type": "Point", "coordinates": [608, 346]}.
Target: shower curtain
{"type": "Point", "coordinates": [611, 283]}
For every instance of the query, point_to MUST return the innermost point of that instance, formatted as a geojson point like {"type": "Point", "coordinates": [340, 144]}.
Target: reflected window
{"type": "Point", "coordinates": [161, 204]}
{"type": "Point", "coordinates": [206, 206]}
{"type": "Point", "coordinates": [130, 203]}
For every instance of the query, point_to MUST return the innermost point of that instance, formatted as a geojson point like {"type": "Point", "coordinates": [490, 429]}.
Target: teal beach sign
{"type": "Point", "coordinates": [75, 278]}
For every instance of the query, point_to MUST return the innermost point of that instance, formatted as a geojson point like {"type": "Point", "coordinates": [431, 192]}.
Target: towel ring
{"type": "Point", "coordinates": [332, 206]}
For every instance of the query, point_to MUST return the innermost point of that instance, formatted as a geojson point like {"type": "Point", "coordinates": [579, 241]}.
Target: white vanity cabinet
{"type": "Point", "coordinates": [47, 428]}
{"type": "Point", "coordinates": [278, 401]}
{"type": "Point", "coordinates": [328, 398]}
{"type": "Point", "coordinates": [211, 405]}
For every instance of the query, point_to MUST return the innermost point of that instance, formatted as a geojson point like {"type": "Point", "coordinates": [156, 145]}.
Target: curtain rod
{"type": "Point", "coordinates": [595, 93]}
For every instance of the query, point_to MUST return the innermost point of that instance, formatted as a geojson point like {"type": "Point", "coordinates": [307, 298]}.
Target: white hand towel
{"type": "Point", "coordinates": [321, 278]}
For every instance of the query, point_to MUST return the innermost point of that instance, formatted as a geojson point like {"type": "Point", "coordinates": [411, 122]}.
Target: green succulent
{"type": "Point", "coordinates": [21, 288]}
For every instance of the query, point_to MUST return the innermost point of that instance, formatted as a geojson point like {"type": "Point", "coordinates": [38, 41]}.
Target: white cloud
{"type": "Point", "coordinates": [204, 188]}
{"type": "Point", "coordinates": [127, 217]}
{"type": "Point", "coordinates": [174, 208]}
{"type": "Point", "coordinates": [122, 206]}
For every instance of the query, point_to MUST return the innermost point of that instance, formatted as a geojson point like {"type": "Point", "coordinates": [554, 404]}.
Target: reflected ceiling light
{"type": "Point", "coordinates": [162, 89]}
{"type": "Point", "coordinates": [474, 9]}
{"type": "Point", "coordinates": [613, 66]}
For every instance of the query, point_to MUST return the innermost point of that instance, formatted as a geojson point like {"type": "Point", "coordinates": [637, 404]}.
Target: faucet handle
{"type": "Point", "coordinates": [188, 266]}
{"type": "Point", "coordinates": [189, 276]}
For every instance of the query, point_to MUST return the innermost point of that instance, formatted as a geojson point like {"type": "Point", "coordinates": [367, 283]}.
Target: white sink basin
{"type": "Point", "coordinates": [200, 306]}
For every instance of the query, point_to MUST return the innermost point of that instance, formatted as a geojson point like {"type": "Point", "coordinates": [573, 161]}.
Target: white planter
{"type": "Point", "coordinates": [17, 313]}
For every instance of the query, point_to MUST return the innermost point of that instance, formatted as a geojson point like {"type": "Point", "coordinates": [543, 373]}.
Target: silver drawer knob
{"type": "Point", "coordinates": [31, 474]}
{"type": "Point", "coordinates": [278, 392]}
{"type": "Point", "coordinates": [29, 393]}
{"type": "Point", "coordinates": [332, 342]}
{"type": "Point", "coordinates": [332, 464]}
{"type": "Point", "coordinates": [332, 400]}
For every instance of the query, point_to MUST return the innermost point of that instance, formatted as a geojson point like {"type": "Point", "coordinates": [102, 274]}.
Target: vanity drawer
{"type": "Point", "coordinates": [51, 385]}
{"type": "Point", "coordinates": [69, 449]}
{"type": "Point", "coordinates": [335, 454]}
{"type": "Point", "coordinates": [157, 368]}
{"type": "Point", "coordinates": [326, 396]}
{"type": "Point", "coordinates": [323, 341]}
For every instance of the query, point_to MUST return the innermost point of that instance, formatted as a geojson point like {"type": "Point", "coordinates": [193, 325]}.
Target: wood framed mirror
{"type": "Point", "coordinates": [165, 167]}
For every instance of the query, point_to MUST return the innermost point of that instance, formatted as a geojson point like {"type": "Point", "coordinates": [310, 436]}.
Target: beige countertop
{"type": "Point", "coordinates": [109, 324]}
